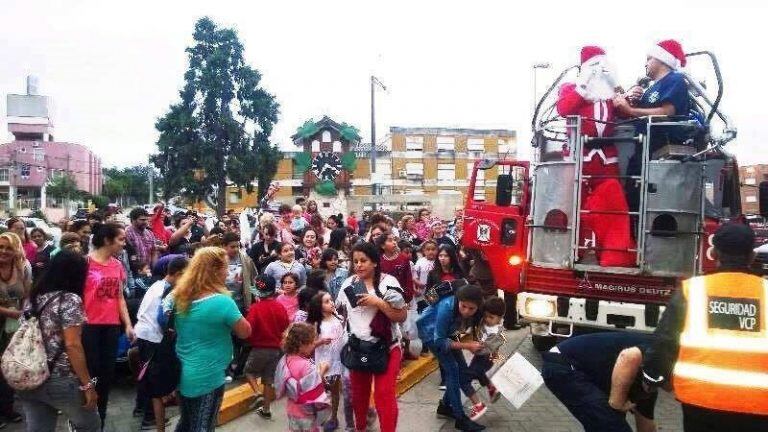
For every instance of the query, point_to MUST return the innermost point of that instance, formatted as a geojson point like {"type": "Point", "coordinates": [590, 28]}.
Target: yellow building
{"type": "Point", "coordinates": [414, 166]}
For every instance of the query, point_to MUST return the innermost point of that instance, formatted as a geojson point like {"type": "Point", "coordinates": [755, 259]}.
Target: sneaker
{"type": "Point", "coordinates": [266, 415]}
{"type": "Point", "coordinates": [444, 410]}
{"type": "Point", "coordinates": [151, 425]}
{"type": "Point", "coordinates": [493, 394]}
{"type": "Point", "coordinates": [465, 424]}
{"type": "Point", "coordinates": [477, 411]}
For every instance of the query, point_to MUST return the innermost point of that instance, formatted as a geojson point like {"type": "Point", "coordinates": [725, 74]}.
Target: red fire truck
{"type": "Point", "coordinates": [529, 232]}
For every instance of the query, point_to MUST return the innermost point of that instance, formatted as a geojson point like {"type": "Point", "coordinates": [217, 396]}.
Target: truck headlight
{"type": "Point", "coordinates": [540, 308]}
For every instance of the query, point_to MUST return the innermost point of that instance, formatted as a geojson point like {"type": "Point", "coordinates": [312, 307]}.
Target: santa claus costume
{"type": "Point", "coordinates": [608, 227]}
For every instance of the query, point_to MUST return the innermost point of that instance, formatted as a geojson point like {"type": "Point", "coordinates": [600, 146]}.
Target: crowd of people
{"type": "Point", "coordinates": [282, 299]}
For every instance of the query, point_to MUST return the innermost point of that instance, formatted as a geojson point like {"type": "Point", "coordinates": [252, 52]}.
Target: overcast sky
{"type": "Point", "coordinates": [114, 67]}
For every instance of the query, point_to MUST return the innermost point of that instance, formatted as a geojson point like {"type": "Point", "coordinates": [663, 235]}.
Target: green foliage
{"type": "Point", "coordinates": [62, 187]}
{"type": "Point", "coordinates": [221, 125]}
{"type": "Point", "coordinates": [308, 129]}
{"type": "Point", "coordinates": [303, 161]}
{"type": "Point", "coordinates": [326, 188]}
{"type": "Point", "coordinates": [349, 161]}
{"type": "Point", "coordinates": [350, 133]}
{"type": "Point", "coordinates": [130, 184]}
{"type": "Point", "coordinates": [100, 201]}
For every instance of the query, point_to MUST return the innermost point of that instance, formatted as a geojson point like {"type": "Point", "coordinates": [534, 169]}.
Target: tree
{"type": "Point", "coordinates": [220, 128]}
{"type": "Point", "coordinates": [127, 185]}
{"type": "Point", "coordinates": [63, 187]}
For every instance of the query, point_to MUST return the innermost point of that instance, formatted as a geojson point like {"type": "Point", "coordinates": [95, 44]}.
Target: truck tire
{"type": "Point", "coordinates": [543, 343]}
{"type": "Point", "coordinates": [510, 315]}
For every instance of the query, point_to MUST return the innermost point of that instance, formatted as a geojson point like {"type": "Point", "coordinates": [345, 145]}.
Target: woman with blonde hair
{"type": "Point", "coordinates": [15, 283]}
{"type": "Point", "coordinates": [205, 316]}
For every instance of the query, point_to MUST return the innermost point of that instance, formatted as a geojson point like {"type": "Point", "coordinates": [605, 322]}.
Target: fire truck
{"type": "Point", "coordinates": [687, 186]}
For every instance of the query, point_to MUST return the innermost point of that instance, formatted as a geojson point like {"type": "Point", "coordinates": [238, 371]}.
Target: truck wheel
{"type": "Point", "coordinates": [543, 343]}
{"type": "Point", "coordinates": [510, 315]}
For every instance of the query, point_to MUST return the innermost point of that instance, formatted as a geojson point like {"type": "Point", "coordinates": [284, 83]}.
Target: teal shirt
{"type": "Point", "coordinates": [204, 344]}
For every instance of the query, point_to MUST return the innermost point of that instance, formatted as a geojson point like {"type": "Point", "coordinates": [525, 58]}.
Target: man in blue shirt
{"type": "Point", "coordinates": [597, 377]}
{"type": "Point", "coordinates": [668, 96]}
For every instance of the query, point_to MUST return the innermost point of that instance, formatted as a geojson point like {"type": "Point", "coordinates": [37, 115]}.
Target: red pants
{"type": "Point", "coordinates": [384, 396]}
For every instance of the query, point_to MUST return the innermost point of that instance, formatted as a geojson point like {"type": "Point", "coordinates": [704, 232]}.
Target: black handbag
{"type": "Point", "coordinates": [365, 356]}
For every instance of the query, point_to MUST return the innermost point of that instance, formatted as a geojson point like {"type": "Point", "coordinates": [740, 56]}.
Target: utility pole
{"type": "Point", "coordinates": [374, 81]}
{"type": "Point", "coordinates": [151, 175]}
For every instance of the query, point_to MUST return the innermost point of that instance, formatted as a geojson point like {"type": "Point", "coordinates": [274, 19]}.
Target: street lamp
{"type": "Point", "coordinates": [536, 67]}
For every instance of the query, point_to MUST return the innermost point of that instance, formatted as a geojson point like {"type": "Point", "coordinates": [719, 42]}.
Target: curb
{"type": "Point", "coordinates": [240, 400]}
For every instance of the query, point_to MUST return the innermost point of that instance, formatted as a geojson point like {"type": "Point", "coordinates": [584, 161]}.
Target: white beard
{"type": "Point", "coordinates": [596, 81]}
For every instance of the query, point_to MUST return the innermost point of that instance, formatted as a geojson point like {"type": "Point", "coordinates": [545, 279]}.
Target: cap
{"type": "Point", "coordinates": [734, 239]}
{"type": "Point", "coordinates": [265, 286]}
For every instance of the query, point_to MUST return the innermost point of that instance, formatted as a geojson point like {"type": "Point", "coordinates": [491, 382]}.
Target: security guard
{"type": "Point", "coordinates": [713, 342]}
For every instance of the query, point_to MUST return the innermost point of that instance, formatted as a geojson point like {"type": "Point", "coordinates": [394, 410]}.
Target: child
{"type": "Point", "coordinates": [289, 285]}
{"type": "Point", "coordinates": [155, 384]}
{"type": "Point", "coordinates": [286, 264]}
{"type": "Point", "coordinates": [142, 277]}
{"type": "Point", "coordinates": [298, 223]}
{"type": "Point", "coordinates": [490, 334]}
{"type": "Point", "coordinates": [301, 381]}
{"type": "Point", "coordinates": [304, 297]}
{"type": "Point", "coordinates": [423, 267]}
{"type": "Point", "coordinates": [330, 328]}
{"type": "Point", "coordinates": [271, 320]}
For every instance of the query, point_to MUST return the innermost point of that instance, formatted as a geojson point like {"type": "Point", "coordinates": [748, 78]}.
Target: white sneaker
{"type": "Point", "coordinates": [477, 411]}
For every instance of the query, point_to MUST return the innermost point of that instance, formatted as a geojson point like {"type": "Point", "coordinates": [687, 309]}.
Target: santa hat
{"type": "Point", "coordinates": [591, 51]}
{"type": "Point", "coordinates": [669, 52]}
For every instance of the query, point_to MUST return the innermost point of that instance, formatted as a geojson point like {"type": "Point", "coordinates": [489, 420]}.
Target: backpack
{"type": "Point", "coordinates": [25, 363]}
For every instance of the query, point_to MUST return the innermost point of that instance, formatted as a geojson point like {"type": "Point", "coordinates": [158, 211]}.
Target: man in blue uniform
{"type": "Point", "coordinates": [596, 377]}
{"type": "Point", "coordinates": [668, 96]}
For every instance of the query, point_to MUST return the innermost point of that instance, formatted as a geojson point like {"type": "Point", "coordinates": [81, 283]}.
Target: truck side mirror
{"type": "Point", "coordinates": [504, 190]}
{"type": "Point", "coordinates": [763, 198]}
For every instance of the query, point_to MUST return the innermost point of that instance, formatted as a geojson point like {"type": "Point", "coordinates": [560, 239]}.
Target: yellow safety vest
{"type": "Point", "coordinates": [723, 359]}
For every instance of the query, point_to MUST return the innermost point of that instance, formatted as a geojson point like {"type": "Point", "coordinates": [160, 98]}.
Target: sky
{"type": "Point", "coordinates": [113, 68]}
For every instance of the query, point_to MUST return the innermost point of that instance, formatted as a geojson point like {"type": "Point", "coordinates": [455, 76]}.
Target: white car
{"type": "Point", "coordinates": [52, 232]}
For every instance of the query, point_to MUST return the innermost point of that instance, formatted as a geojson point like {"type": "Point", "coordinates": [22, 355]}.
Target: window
{"type": "Point", "coordinates": [414, 143]}
{"type": "Point", "coordinates": [315, 146]}
{"type": "Point", "coordinates": [749, 181]}
{"type": "Point", "coordinates": [751, 199]}
{"type": "Point", "coordinates": [25, 170]}
{"type": "Point", "coordinates": [384, 169]}
{"type": "Point", "coordinates": [446, 173]}
{"type": "Point", "coordinates": [38, 154]}
{"type": "Point", "coordinates": [475, 144]}
{"type": "Point", "coordinates": [337, 146]}
{"type": "Point", "coordinates": [446, 144]}
{"type": "Point", "coordinates": [326, 136]}
{"type": "Point", "coordinates": [414, 168]}
{"type": "Point", "coordinates": [414, 147]}
{"type": "Point", "coordinates": [505, 147]}
{"type": "Point", "coordinates": [4, 175]}
{"type": "Point", "coordinates": [751, 170]}
{"type": "Point", "coordinates": [235, 196]}
{"type": "Point", "coordinates": [480, 173]}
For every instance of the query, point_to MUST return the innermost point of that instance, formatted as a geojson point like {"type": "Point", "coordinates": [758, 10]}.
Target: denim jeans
{"type": "Point", "coordinates": [451, 365]}
{"type": "Point", "coordinates": [199, 414]}
{"type": "Point", "coordinates": [476, 370]}
{"type": "Point", "coordinates": [587, 402]}
{"type": "Point", "coordinates": [58, 393]}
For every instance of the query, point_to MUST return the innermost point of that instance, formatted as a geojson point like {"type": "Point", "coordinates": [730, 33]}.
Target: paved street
{"type": "Point", "coordinates": [542, 413]}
